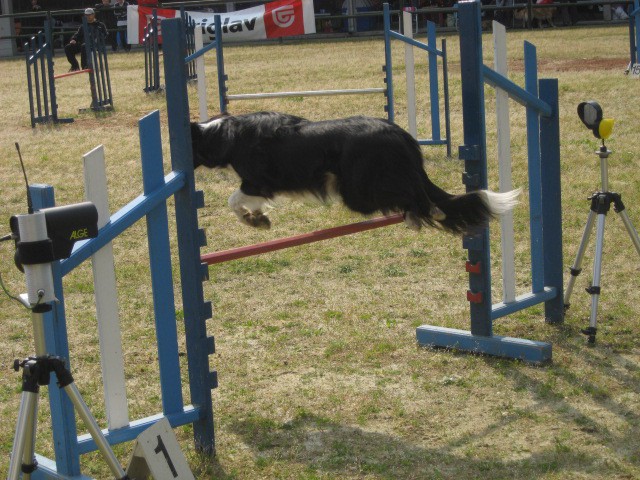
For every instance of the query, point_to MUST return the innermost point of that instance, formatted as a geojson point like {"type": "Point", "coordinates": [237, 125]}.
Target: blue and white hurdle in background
{"type": "Point", "coordinates": [151, 204]}
{"type": "Point", "coordinates": [434, 54]}
{"type": "Point", "coordinates": [542, 115]}
{"type": "Point", "coordinates": [434, 94]}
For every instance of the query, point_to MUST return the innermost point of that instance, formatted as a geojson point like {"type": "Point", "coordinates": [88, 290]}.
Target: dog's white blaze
{"type": "Point", "coordinates": [500, 203]}
{"type": "Point", "coordinates": [212, 123]}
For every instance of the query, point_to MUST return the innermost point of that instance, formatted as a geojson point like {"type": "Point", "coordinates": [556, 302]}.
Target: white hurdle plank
{"type": "Point", "coordinates": [104, 280]}
{"type": "Point", "coordinates": [410, 73]}
{"type": "Point", "coordinates": [202, 81]}
{"type": "Point", "coordinates": [504, 162]}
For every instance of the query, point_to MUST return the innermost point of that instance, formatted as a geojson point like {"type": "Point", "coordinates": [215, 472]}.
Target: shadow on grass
{"type": "Point", "coordinates": [319, 447]}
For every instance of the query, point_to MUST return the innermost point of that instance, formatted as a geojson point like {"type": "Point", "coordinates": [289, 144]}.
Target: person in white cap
{"type": "Point", "coordinates": [76, 44]}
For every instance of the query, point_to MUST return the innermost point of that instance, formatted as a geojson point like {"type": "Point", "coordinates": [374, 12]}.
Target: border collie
{"type": "Point", "coordinates": [370, 164]}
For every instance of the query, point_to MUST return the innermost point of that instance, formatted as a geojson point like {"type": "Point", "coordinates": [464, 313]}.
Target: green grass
{"type": "Point", "coordinates": [319, 373]}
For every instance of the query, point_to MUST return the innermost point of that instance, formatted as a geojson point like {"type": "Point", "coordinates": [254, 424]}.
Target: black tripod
{"type": "Point", "coordinates": [600, 205]}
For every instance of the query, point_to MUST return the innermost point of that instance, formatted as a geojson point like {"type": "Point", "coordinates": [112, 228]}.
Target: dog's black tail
{"type": "Point", "coordinates": [468, 212]}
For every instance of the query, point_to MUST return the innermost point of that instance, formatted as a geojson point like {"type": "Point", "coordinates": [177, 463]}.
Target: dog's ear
{"type": "Point", "coordinates": [196, 131]}
{"type": "Point", "coordinates": [196, 144]}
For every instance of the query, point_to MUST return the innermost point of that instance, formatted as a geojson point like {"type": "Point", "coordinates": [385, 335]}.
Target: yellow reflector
{"type": "Point", "coordinates": [605, 128]}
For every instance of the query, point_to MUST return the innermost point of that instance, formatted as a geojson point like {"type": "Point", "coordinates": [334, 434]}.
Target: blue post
{"type": "Point", "coordinates": [473, 152]}
{"type": "Point", "coordinates": [535, 174]}
{"type": "Point", "coordinates": [636, 18]}
{"type": "Point", "coordinates": [191, 238]}
{"type": "Point", "coordinates": [445, 87]}
{"type": "Point", "coordinates": [160, 265]}
{"type": "Point", "coordinates": [222, 76]}
{"type": "Point", "coordinates": [433, 81]}
{"type": "Point", "coordinates": [388, 67]}
{"type": "Point", "coordinates": [552, 201]}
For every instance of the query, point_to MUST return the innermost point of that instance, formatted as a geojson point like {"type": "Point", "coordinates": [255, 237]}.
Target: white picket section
{"type": "Point", "coordinates": [504, 162]}
{"type": "Point", "coordinates": [202, 81]}
{"type": "Point", "coordinates": [104, 278]}
{"type": "Point", "coordinates": [410, 73]}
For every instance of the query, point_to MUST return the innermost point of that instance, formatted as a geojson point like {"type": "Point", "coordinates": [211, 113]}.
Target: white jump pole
{"type": "Point", "coordinates": [410, 73]}
{"type": "Point", "coordinates": [504, 162]}
{"type": "Point", "coordinates": [305, 93]}
{"type": "Point", "coordinates": [104, 280]}
{"type": "Point", "coordinates": [202, 82]}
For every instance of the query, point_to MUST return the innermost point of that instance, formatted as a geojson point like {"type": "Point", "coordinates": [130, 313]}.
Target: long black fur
{"type": "Point", "coordinates": [375, 165]}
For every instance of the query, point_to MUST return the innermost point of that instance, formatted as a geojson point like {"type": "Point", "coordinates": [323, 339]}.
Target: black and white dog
{"type": "Point", "coordinates": [370, 164]}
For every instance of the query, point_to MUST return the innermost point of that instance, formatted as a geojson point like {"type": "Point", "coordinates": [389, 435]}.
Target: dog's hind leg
{"type": "Point", "coordinates": [414, 221]}
{"type": "Point", "coordinates": [249, 209]}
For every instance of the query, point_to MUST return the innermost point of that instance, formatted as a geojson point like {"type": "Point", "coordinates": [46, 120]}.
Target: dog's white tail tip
{"type": "Point", "coordinates": [501, 203]}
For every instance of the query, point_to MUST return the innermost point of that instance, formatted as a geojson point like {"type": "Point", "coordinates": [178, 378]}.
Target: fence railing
{"type": "Point", "coordinates": [339, 19]}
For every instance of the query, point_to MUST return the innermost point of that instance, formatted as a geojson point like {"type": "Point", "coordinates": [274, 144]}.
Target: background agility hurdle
{"type": "Point", "coordinates": [151, 204]}
{"type": "Point", "coordinates": [43, 104]}
{"type": "Point", "coordinates": [543, 143]}
{"type": "Point", "coordinates": [151, 49]}
{"type": "Point", "coordinates": [388, 91]}
{"type": "Point", "coordinates": [432, 54]}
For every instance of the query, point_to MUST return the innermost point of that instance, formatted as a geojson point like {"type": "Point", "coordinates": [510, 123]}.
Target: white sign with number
{"type": "Point", "coordinates": [157, 454]}
{"type": "Point", "coordinates": [634, 71]}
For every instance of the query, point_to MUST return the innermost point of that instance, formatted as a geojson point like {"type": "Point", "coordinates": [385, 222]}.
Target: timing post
{"type": "Point", "coordinates": [591, 115]}
{"type": "Point", "coordinates": [41, 238]}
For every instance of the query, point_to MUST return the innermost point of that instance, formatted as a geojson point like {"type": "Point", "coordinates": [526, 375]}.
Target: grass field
{"type": "Point", "coordinates": [320, 376]}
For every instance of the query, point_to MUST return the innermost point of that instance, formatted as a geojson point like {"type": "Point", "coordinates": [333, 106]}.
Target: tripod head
{"type": "Point", "coordinates": [591, 115]}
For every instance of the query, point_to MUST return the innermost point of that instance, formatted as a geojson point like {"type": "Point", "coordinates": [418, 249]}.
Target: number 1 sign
{"type": "Point", "coordinates": [157, 454]}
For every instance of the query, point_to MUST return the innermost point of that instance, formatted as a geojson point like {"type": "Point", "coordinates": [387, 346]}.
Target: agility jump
{"type": "Point", "coordinates": [151, 205]}
{"type": "Point", "coordinates": [388, 91]}
{"type": "Point", "coordinates": [543, 142]}
{"type": "Point", "coordinates": [151, 49]}
{"type": "Point", "coordinates": [543, 152]}
{"type": "Point", "coordinates": [41, 81]}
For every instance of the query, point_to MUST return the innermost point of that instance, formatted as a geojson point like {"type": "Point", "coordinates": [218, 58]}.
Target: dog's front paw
{"type": "Point", "coordinates": [256, 220]}
{"type": "Point", "coordinates": [261, 221]}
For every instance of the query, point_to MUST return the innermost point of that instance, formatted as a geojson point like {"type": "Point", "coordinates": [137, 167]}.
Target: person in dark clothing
{"type": "Point", "coordinates": [105, 14]}
{"type": "Point", "coordinates": [121, 22]}
{"type": "Point", "coordinates": [32, 25]}
{"type": "Point", "coordinates": [76, 44]}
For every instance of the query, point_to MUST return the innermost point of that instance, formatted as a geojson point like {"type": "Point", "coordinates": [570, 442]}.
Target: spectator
{"type": "Point", "coordinates": [77, 43]}
{"type": "Point", "coordinates": [619, 12]}
{"type": "Point", "coordinates": [569, 14]}
{"type": "Point", "coordinates": [121, 23]}
{"type": "Point", "coordinates": [106, 15]}
{"type": "Point", "coordinates": [30, 25]}
{"type": "Point", "coordinates": [34, 24]}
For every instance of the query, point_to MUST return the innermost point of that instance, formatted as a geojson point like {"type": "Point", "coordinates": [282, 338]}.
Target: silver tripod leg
{"type": "Point", "coordinates": [24, 439]}
{"type": "Point", "coordinates": [594, 290]}
{"type": "Point", "coordinates": [94, 429]}
{"type": "Point", "coordinates": [630, 230]}
{"type": "Point", "coordinates": [577, 265]}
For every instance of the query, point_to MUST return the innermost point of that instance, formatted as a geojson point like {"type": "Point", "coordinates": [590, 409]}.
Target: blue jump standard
{"type": "Point", "coordinates": [529, 351]}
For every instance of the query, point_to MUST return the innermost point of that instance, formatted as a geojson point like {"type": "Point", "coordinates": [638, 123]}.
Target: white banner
{"type": "Point", "coordinates": [281, 18]}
